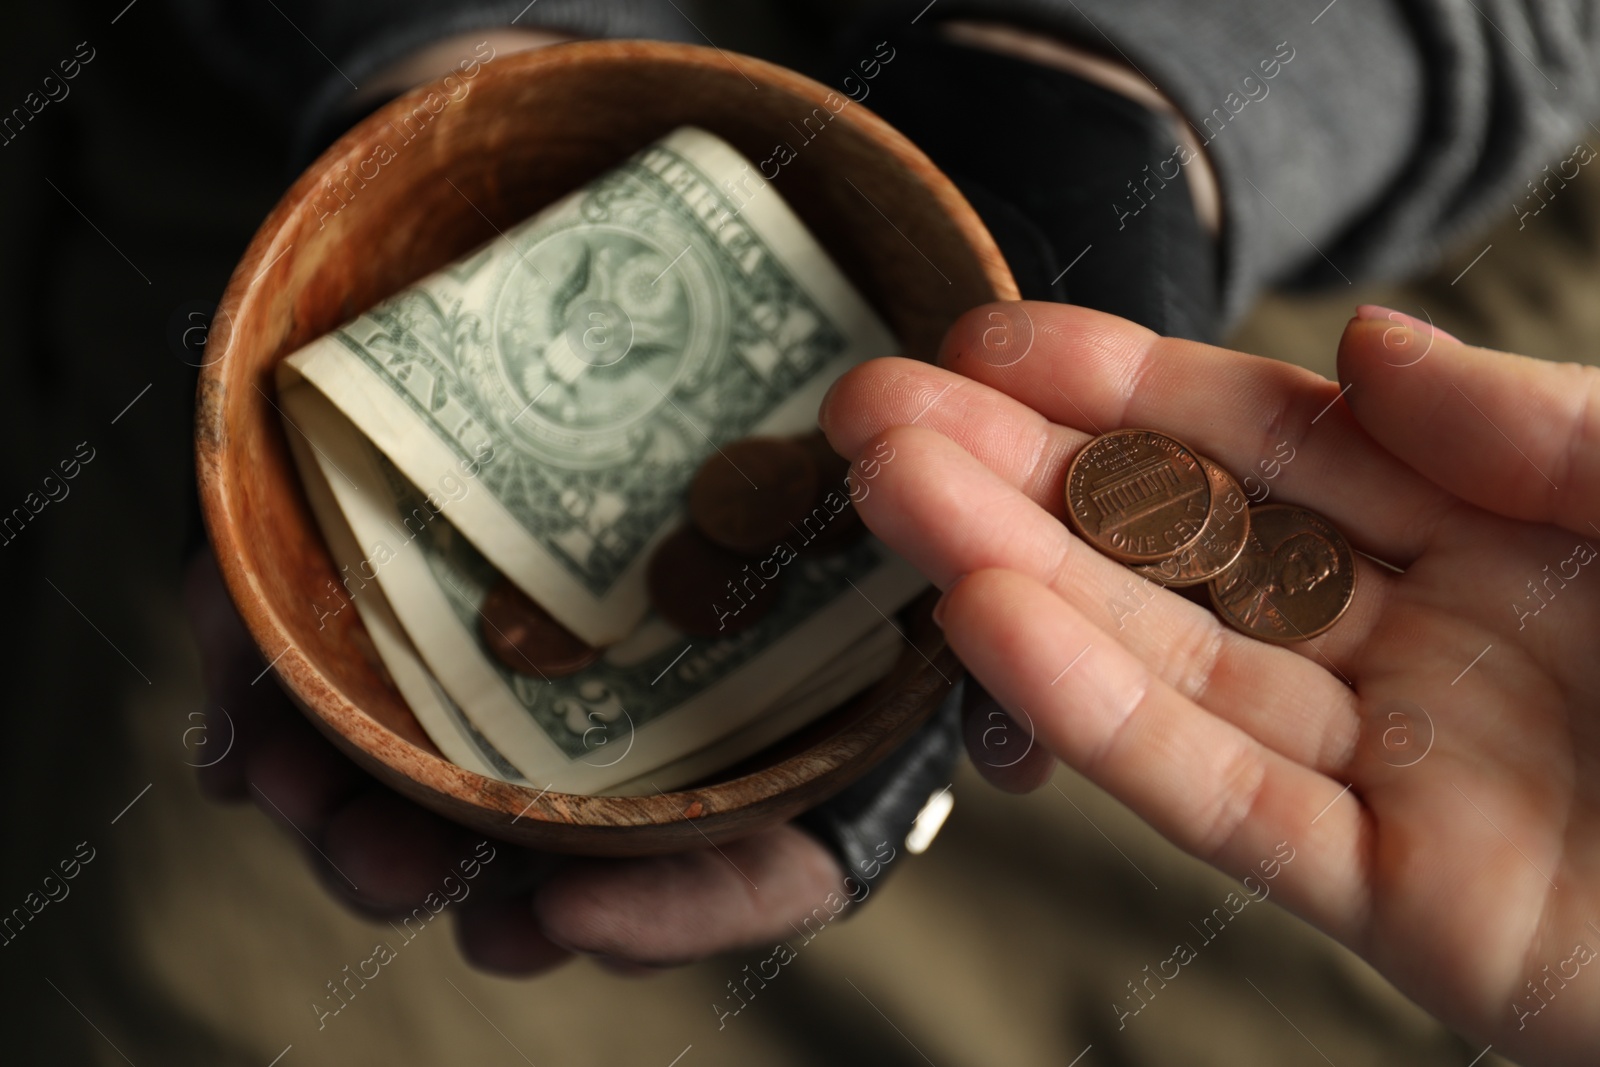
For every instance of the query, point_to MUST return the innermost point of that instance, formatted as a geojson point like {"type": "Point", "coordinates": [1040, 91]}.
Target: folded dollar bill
{"type": "Point", "coordinates": [584, 365]}
{"type": "Point", "coordinates": [652, 699]}
{"type": "Point", "coordinates": [536, 410]}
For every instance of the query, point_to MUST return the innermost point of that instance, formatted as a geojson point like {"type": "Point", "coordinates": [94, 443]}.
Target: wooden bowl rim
{"type": "Point", "coordinates": [316, 692]}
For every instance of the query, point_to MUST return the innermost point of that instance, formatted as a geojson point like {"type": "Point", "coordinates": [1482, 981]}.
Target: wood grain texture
{"type": "Point", "coordinates": [527, 129]}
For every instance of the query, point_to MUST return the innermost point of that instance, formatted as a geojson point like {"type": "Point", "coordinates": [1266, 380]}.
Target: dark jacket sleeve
{"type": "Point", "coordinates": [1355, 138]}
{"type": "Point", "coordinates": [305, 59]}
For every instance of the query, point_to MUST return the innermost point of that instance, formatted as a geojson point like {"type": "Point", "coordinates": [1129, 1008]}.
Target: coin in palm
{"type": "Point", "coordinates": [1294, 579]}
{"type": "Point", "coordinates": [1137, 495]}
{"type": "Point", "coordinates": [1220, 542]}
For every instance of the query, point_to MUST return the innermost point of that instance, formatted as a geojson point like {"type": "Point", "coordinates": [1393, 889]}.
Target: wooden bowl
{"type": "Point", "coordinates": [527, 129]}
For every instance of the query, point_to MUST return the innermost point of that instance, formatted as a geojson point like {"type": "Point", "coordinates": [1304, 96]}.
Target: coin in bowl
{"type": "Point", "coordinates": [705, 590]}
{"type": "Point", "coordinates": [747, 493]}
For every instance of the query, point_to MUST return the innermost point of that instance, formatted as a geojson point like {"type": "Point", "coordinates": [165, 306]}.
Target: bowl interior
{"type": "Point", "coordinates": [444, 169]}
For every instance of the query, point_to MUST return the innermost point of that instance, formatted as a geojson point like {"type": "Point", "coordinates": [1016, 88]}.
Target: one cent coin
{"type": "Point", "coordinates": [828, 527]}
{"type": "Point", "coordinates": [1137, 495]}
{"type": "Point", "coordinates": [526, 638]}
{"type": "Point", "coordinates": [1294, 579]}
{"type": "Point", "coordinates": [1220, 543]}
{"type": "Point", "coordinates": [745, 495]}
{"type": "Point", "coordinates": [705, 590]}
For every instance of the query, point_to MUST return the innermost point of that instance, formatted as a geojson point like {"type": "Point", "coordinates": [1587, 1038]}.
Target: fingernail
{"type": "Point", "coordinates": [1377, 312]}
{"type": "Point", "coordinates": [938, 609]}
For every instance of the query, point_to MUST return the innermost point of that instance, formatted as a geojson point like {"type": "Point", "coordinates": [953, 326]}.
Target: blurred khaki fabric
{"type": "Point", "coordinates": [198, 936]}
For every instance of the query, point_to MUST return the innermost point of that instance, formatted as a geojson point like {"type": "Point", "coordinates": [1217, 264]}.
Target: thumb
{"type": "Point", "coordinates": [1517, 436]}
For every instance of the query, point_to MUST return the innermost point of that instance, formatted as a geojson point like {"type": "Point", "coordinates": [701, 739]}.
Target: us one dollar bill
{"type": "Point", "coordinates": [583, 365]}
{"type": "Point", "coordinates": [440, 717]}
{"type": "Point", "coordinates": [657, 711]}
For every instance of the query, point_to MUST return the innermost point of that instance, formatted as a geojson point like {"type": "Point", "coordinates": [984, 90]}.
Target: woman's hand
{"type": "Point", "coordinates": [1431, 763]}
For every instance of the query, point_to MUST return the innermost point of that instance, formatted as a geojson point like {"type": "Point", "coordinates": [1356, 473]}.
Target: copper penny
{"type": "Point", "coordinates": [526, 638]}
{"type": "Point", "coordinates": [829, 465]}
{"type": "Point", "coordinates": [1220, 542]}
{"type": "Point", "coordinates": [828, 527]}
{"type": "Point", "coordinates": [1294, 579]}
{"type": "Point", "coordinates": [704, 590]}
{"type": "Point", "coordinates": [1137, 495]}
{"type": "Point", "coordinates": [746, 494]}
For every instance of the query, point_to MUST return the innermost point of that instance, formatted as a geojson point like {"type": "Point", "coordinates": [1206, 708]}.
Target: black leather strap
{"type": "Point", "coordinates": [865, 826]}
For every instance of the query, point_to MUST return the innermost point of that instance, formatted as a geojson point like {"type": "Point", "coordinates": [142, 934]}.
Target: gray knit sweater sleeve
{"type": "Point", "coordinates": [1352, 138]}
{"type": "Point", "coordinates": [1396, 126]}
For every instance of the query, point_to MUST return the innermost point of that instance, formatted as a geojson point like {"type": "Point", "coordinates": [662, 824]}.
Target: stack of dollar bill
{"type": "Point", "coordinates": [535, 412]}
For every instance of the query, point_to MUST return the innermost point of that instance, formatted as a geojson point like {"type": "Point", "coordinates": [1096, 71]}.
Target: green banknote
{"type": "Point", "coordinates": [657, 710]}
{"type": "Point", "coordinates": [581, 367]}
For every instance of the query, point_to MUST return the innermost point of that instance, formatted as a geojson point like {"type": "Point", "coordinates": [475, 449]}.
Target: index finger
{"type": "Point", "coordinates": [1280, 424]}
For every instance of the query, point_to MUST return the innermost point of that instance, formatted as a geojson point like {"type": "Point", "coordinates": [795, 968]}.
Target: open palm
{"type": "Point", "coordinates": [1433, 760]}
